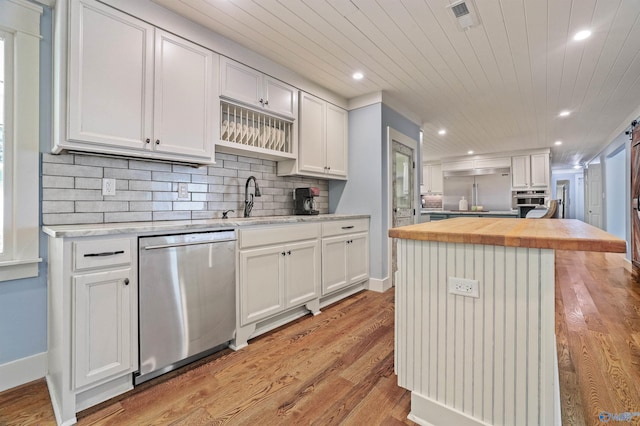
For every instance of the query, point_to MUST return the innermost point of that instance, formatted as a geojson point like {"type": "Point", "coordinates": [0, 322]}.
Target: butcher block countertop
{"type": "Point", "coordinates": [557, 234]}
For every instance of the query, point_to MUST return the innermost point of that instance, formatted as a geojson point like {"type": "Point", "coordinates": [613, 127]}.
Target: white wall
{"type": "Point", "coordinates": [615, 189]}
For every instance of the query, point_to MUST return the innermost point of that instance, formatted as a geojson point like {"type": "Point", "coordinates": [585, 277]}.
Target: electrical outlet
{"type": "Point", "coordinates": [183, 191]}
{"type": "Point", "coordinates": [108, 186]}
{"type": "Point", "coordinates": [464, 287]}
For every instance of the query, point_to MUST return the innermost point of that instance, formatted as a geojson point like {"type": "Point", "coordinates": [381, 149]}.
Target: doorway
{"type": "Point", "coordinates": [594, 195]}
{"type": "Point", "coordinates": [564, 200]}
{"type": "Point", "coordinates": [402, 187]}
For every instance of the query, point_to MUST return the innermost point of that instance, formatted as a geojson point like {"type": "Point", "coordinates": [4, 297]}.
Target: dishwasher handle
{"type": "Point", "coordinates": [188, 243]}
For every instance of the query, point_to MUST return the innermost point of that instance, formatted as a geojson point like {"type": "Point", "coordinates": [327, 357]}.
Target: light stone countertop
{"type": "Point", "coordinates": [171, 226]}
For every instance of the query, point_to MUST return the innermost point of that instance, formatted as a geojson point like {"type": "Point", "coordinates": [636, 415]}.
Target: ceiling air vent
{"type": "Point", "coordinates": [465, 14]}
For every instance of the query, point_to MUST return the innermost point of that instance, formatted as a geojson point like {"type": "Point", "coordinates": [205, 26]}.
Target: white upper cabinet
{"type": "Point", "coordinates": [248, 86]}
{"type": "Point", "coordinates": [184, 104]}
{"type": "Point", "coordinates": [110, 78]}
{"type": "Point", "coordinates": [530, 171]}
{"type": "Point", "coordinates": [136, 90]}
{"type": "Point", "coordinates": [432, 179]}
{"type": "Point", "coordinates": [322, 141]}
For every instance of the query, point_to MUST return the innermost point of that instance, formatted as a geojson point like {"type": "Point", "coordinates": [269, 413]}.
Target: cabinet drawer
{"type": "Point", "coordinates": [93, 254]}
{"type": "Point", "coordinates": [278, 235]}
{"type": "Point", "coordinates": [344, 227]}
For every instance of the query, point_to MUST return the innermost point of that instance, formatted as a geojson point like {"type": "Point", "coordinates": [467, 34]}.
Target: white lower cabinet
{"type": "Point", "coordinates": [278, 277]}
{"type": "Point", "coordinates": [93, 326]}
{"type": "Point", "coordinates": [345, 257]}
{"type": "Point", "coordinates": [102, 325]}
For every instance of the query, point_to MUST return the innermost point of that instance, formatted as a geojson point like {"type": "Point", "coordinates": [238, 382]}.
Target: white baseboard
{"type": "Point", "coordinates": [628, 265]}
{"type": "Point", "coordinates": [23, 370]}
{"type": "Point", "coordinates": [379, 285]}
{"type": "Point", "coordinates": [427, 412]}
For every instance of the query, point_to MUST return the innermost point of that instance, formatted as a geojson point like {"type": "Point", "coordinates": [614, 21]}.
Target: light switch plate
{"type": "Point", "coordinates": [464, 287]}
{"type": "Point", "coordinates": [108, 186]}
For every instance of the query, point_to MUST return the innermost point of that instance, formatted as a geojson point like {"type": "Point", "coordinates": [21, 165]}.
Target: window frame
{"type": "Point", "coordinates": [20, 23]}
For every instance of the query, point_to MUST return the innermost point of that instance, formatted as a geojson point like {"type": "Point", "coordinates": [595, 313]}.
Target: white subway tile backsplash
{"type": "Point", "coordinates": [57, 182]}
{"type": "Point", "coordinates": [146, 190]}
{"type": "Point", "coordinates": [127, 217]}
{"type": "Point", "coordinates": [127, 174]}
{"type": "Point", "coordinates": [58, 207]}
{"type": "Point", "coordinates": [171, 177]}
{"type": "Point", "coordinates": [184, 215]}
{"type": "Point", "coordinates": [101, 206]}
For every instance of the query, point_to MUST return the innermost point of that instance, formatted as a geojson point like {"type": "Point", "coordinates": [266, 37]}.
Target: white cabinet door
{"type": "Point", "coordinates": [539, 170]}
{"type": "Point", "coordinates": [334, 264]}
{"type": "Point", "coordinates": [279, 98]}
{"type": "Point", "coordinates": [102, 325]}
{"type": "Point", "coordinates": [336, 141]}
{"type": "Point", "coordinates": [184, 97]}
{"type": "Point", "coordinates": [520, 171]}
{"type": "Point", "coordinates": [110, 77]}
{"type": "Point", "coordinates": [436, 178]}
{"type": "Point", "coordinates": [240, 82]}
{"type": "Point", "coordinates": [357, 258]}
{"type": "Point", "coordinates": [311, 134]}
{"type": "Point", "coordinates": [261, 283]}
{"type": "Point", "coordinates": [302, 265]}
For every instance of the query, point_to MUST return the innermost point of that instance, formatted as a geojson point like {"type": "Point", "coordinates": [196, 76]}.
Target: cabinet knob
{"type": "Point", "coordinates": [328, 168]}
{"type": "Point", "coordinates": [126, 281]}
{"type": "Point", "coordinates": [266, 102]}
{"type": "Point", "coordinates": [261, 101]}
{"type": "Point", "coordinates": [157, 141]}
{"type": "Point", "coordinates": [283, 253]}
{"type": "Point", "coordinates": [148, 140]}
{"type": "Point", "coordinates": [289, 252]}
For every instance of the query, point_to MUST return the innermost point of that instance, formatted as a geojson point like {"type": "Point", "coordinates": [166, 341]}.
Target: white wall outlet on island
{"type": "Point", "coordinates": [463, 287]}
{"type": "Point", "coordinates": [108, 186]}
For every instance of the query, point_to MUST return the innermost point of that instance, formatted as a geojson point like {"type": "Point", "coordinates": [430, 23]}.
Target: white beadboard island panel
{"type": "Point", "coordinates": [479, 361]}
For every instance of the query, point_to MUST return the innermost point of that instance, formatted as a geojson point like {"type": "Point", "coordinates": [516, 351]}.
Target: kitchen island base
{"type": "Point", "coordinates": [487, 357]}
{"type": "Point", "coordinates": [477, 361]}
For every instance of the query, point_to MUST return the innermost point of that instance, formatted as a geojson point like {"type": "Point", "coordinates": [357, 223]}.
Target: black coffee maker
{"type": "Point", "coordinates": [303, 200]}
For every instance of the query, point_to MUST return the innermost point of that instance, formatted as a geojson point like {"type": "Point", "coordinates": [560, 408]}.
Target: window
{"type": "Point", "coordinates": [19, 138]}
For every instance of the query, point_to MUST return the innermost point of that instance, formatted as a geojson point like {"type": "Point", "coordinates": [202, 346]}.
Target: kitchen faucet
{"type": "Point", "coordinates": [248, 198]}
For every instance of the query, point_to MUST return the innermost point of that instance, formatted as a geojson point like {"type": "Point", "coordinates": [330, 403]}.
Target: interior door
{"type": "Point", "coordinates": [594, 188]}
{"type": "Point", "coordinates": [403, 184]}
{"type": "Point", "coordinates": [402, 193]}
{"type": "Point", "coordinates": [635, 197]}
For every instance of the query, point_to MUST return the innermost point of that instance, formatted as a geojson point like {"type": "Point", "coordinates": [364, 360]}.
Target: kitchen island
{"type": "Point", "coordinates": [487, 358]}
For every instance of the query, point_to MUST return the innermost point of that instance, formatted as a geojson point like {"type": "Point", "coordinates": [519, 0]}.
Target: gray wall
{"type": "Point", "coordinates": [366, 190]}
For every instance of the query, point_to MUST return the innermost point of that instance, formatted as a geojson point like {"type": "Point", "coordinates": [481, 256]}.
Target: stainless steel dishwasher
{"type": "Point", "coordinates": [187, 299]}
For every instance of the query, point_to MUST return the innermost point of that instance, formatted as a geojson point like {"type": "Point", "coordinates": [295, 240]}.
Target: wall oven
{"type": "Point", "coordinates": [528, 200]}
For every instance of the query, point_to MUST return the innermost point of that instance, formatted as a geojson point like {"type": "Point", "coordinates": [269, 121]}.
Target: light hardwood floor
{"type": "Point", "coordinates": [337, 368]}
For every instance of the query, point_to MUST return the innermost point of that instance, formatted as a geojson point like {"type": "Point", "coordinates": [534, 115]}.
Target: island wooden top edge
{"type": "Point", "coordinates": [557, 234]}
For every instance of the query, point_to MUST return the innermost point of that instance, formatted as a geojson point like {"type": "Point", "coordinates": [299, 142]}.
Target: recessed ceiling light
{"type": "Point", "coordinates": [442, 132]}
{"type": "Point", "coordinates": [581, 35]}
{"type": "Point", "coordinates": [558, 142]}
{"type": "Point", "coordinates": [564, 113]}
{"type": "Point", "coordinates": [357, 75]}
{"type": "Point", "coordinates": [469, 152]}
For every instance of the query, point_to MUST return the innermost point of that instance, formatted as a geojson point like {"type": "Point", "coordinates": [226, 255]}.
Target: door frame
{"type": "Point", "coordinates": [394, 135]}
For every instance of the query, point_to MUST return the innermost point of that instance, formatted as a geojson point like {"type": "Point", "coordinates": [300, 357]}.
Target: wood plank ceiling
{"type": "Point", "coordinates": [498, 86]}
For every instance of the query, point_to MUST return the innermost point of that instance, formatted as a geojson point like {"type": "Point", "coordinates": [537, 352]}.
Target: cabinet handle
{"type": "Point", "coordinates": [148, 140]}
{"type": "Point", "coordinates": [261, 101]}
{"type": "Point", "coordinates": [105, 253]}
{"type": "Point", "coordinates": [289, 252]}
{"type": "Point", "coordinates": [283, 253]}
{"type": "Point", "coordinates": [157, 141]}
{"type": "Point", "coordinates": [348, 227]}
{"type": "Point", "coordinates": [266, 102]}
{"type": "Point", "coordinates": [126, 281]}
